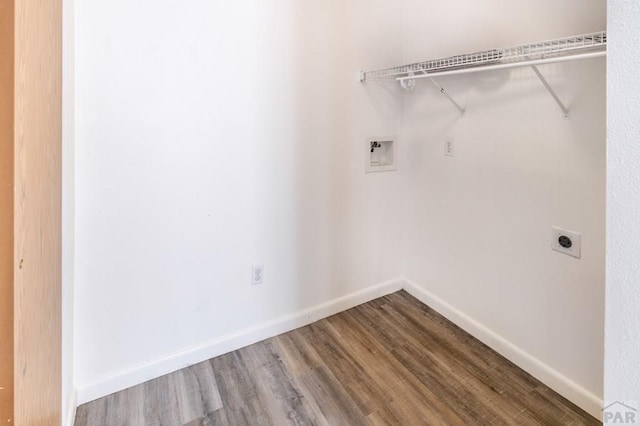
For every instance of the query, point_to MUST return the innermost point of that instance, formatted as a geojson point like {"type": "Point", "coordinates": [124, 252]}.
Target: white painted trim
{"type": "Point", "coordinates": [547, 375]}
{"type": "Point", "coordinates": [71, 408]}
{"type": "Point", "coordinates": [172, 362]}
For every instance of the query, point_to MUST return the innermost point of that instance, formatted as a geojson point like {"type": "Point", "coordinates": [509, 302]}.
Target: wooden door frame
{"type": "Point", "coordinates": [6, 208]}
{"type": "Point", "coordinates": [37, 223]}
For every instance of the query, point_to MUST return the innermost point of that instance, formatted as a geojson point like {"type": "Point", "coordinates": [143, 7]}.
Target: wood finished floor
{"type": "Point", "coordinates": [392, 361]}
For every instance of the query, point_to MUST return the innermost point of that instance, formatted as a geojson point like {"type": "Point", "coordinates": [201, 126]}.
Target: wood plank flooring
{"type": "Point", "coordinates": [392, 361]}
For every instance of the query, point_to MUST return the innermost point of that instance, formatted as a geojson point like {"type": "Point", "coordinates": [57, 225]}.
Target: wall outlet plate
{"type": "Point", "coordinates": [257, 274]}
{"type": "Point", "coordinates": [449, 147]}
{"type": "Point", "coordinates": [565, 241]}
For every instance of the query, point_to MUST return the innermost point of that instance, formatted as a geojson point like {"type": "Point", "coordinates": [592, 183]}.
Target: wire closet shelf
{"type": "Point", "coordinates": [568, 48]}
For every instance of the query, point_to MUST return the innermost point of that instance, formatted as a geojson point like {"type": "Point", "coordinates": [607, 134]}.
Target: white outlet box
{"type": "Point", "coordinates": [257, 274]}
{"type": "Point", "coordinates": [565, 241]}
{"type": "Point", "coordinates": [381, 154]}
{"type": "Point", "coordinates": [449, 147]}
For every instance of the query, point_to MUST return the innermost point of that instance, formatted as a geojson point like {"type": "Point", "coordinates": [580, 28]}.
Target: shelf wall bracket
{"type": "Point", "coordinates": [448, 96]}
{"type": "Point", "coordinates": [552, 92]}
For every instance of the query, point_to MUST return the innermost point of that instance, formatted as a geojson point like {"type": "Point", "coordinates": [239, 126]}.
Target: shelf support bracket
{"type": "Point", "coordinates": [552, 92]}
{"type": "Point", "coordinates": [448, 96]}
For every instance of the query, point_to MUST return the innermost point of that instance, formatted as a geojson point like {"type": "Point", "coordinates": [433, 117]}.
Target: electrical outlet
{"type": "Point", "coordinates": [564, 241]}
{"type": "Point", "coordinates": [449, 147]}
{"type": "Point", "coordinates": [257, 274]}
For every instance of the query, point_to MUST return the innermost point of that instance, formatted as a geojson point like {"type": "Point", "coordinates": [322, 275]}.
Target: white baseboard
{"type": "Point", "coordinates": [547, 375]}
{"type": "Point", "coordinates": [167, 364]}
{"type": "Point", "coordinates": [173, 362]}
{"type": "Point", "coordinates": [71, 408]}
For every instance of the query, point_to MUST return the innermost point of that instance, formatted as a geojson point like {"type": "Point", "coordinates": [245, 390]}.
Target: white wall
{"type": "Point", "coordinates": [480, 222]}
{"type": "Point", "coordinates": [217, 135]}
{"type": "Point", "coordinates": [622, 377]}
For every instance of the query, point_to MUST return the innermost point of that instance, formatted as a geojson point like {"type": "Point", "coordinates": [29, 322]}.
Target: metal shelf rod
{"type": "Point", "coordinates": [528, 63]}
{"type": "Point", "coordinates": [552, 92]}
{"type": "Point", "coordinates": [444, 92]}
